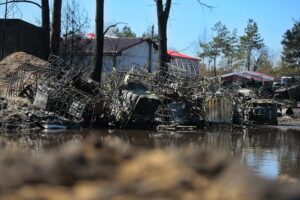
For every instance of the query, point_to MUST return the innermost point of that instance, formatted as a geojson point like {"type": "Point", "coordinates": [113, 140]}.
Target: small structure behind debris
{"type": "Point", "coordinates": [248, 78]}
{"type": "Point", "coordinates": [219, 109]}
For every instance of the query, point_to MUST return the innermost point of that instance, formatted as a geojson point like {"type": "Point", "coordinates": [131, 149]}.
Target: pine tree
{"type": "Point", "coordinates": [127, 32]}
{"type": "Point", "coordinates": [250, 41]}
{"type": "Point", "coordinates": [291, 46]}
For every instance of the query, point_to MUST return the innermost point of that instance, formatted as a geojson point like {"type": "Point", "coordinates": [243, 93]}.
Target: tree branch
{"type": "Point", "coordinates": [168, 7]}
{"type": "Point", "coordinates": [159, 6]}
{"type": "Point", "coordinates": [22, 1]}
{"type": "Point", "coordinates": [111, 26]}
{"type": "Point", "coordinates": [205, 5]}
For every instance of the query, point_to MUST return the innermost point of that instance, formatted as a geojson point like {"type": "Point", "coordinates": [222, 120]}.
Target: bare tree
{"type": "Point", "coordinates": [262, 59]}
{"type": "Point", "coordinates": [163, 11]}
{"type": "Point", "coordinates": [98, 54]}
{"type": "Point", "coordinates": [56, 27]}
{"type": "Point", "coordinates": [75, 21]}
{"type": "Point", "coordinates": [46, 26]}
{"type": "Point", "coordinates": [20, 1]}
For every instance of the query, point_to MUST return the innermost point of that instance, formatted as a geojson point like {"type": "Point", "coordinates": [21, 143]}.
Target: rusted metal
{"type": "Point", "coordinates": [219, 109]}
{"type": "Point", "coordinates": [131, 97]}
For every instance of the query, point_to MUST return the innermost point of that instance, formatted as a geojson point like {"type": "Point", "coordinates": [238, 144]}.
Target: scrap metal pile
{"type": "Point", "coordinates": [63, 96]}
{"type": "Point", "coordinates": [60, 94]}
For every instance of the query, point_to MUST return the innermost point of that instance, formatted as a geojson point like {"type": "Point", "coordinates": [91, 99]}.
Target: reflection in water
{"type": "Point", "coordinates": [268, 151]}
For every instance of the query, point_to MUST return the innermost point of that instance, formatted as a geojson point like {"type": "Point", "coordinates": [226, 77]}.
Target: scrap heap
{"type": "Point", "coordinates": [69, 94]}
{"type": "Point", "coordinates": [171, 101]}
{"type": "Point", "coordinates": [61, 95]}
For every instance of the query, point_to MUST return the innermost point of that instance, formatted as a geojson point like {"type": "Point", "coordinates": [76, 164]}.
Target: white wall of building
{"type": "Point", "coordinates": [138, 55]}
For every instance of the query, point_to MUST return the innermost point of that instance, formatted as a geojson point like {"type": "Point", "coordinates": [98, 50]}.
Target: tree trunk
{"type": "Point", "coordinates": [4, 31]}
{"type": "Point", "coordinates": [162, 49]}
{"type": "Point", "coordinates": [56, 27]}
{"type": "Point", "coordinates": [248, 59]}
{"type": "Point", "coordinates": [162, 17]}
{"type": "Point", "coordinates": [46, 26]}
{"type": "Point", "coordinates": [215, 66]}
{"type": "Point", "coordinates": [98, 54]}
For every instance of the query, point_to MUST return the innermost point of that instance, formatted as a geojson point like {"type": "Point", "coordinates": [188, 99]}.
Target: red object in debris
{"type": "Point", "coordinates": [180, 55]}
{"type": "Point", "coordinates": [90, 35]}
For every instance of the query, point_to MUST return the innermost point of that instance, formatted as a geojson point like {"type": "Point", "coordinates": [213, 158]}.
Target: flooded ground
{"type": "Point", "coordinates": [268, 151]}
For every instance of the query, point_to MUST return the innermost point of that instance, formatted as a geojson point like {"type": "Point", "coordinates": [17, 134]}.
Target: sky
{"type": "Point", "coordinates": [190, 22]}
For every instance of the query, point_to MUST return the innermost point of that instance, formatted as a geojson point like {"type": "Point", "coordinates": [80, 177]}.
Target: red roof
{"type": "Point", "coordinates": [180, 55]}
{"type": "Point", "coordinates": [90, 35]}
{"type": "Point", "coordinates": [264, 75]}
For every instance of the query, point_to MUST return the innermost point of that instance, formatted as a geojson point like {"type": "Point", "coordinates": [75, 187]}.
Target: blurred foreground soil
{"type": "Point", "coordinates": [99, 171]}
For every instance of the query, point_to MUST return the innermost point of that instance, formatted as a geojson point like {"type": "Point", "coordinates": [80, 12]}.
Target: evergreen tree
{"type": "Point", "coordinates": [211, 50]}
{"type": "Point", "coordinates": [251, 41]}
{"type": "Point", "coordinates": [125, 32]}
{"type": "Point", "coordinates": [217, 46]}
{"type": "Point", "coordinates": [231, 48]}
{"type": "Point", "coordinates": [291, 46]}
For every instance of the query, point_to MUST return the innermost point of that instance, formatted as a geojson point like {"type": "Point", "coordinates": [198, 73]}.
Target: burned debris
{"type": "Point", "coordinates": [61, 95]}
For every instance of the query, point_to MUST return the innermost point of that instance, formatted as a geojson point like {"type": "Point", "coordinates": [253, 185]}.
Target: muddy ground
{"type": "Point", "coordinates": [103, 171]}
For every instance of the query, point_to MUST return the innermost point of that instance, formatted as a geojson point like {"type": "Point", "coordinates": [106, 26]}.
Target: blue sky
{"type": "Point", "coordinates": [190, 22]}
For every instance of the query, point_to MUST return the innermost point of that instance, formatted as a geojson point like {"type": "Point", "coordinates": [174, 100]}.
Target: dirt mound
{"type": "Point", "coordinates": [19, 58]}
{"type": "Point", "coordinates": [12, 62]}
{"type": "Point", "coordinates": [98, 171]}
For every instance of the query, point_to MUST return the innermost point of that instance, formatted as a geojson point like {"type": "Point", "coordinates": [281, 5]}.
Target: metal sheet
{"type": "Point", "coordinates": [219, 109]}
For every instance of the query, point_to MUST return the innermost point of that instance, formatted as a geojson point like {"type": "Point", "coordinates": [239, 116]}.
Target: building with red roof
{"type": "Point", "coordinates": [120, 53]}
{"type": "Point", "coordinates": [248, 76]}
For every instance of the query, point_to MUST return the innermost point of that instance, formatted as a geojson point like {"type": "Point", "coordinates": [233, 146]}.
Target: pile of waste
{"type": "Point", "coordinates": [14, 114]}
{"type": "Point", "coordinates": [61, 95]}
{"type": "Point", "coordinates": [102, 171]}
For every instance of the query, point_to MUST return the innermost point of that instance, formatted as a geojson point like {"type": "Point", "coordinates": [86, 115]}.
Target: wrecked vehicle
{"type": "Point", "coordinates": [180, 115]}
{"type": "Point", "coordinates": [133, 107]}
{"type": "Point", "coordinates": [261, 111]}
{"type": "Point", "coordinates": [291, 92]}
